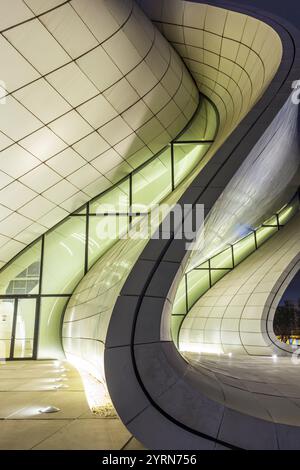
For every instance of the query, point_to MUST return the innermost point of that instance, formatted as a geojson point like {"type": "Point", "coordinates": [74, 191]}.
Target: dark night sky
{"type": "Point", "coordinates": [293, 291]}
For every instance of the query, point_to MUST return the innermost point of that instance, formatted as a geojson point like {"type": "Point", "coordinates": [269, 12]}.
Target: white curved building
{"type": "Point", "coordinates": [110, 108]}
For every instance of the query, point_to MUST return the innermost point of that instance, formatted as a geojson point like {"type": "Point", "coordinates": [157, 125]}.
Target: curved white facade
{"type": "Point", "coordinates": [88, 313]}
{"type": "Point", "coordinates": [236, 315]}
{"type": "Point", "coordinates": [90, 90]}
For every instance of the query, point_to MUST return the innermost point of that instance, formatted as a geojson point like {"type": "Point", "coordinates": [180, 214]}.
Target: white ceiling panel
{"type": "Point", "coordinates": [66, 78]}
{"type": "Point", "coordinates": [43, 144]}
{"type": "Point", "coordinates": [40, 6]}
{"type": "Point", "coordinates": [97, 111]}
{"type": "Point", "coordinates": [13, 12]}
{"type": "Point", "coordinates": [43, 100]}
{"type": "Point", "coordinates": [36, 208]}
{"type": "Point", "coordinates": [91, 146]}
{"type": "Point", "coordinates": [71, 127]}
{"type": "Point", "coordinates": [15, 121]}
{"type": "Point", "coordinates": [69, 30]}
{"type": "Point", "coordinates": [66, 162]}
{"type": "Point", "coordinates": [37, 45]}
{"type": "Point", "coordinates": [16, 195]}
{"type": "Point", "coordinates": [41, 178]}
{"type": "Point", "coordinates": [16, 161]}
{"type": "Point", "coordinates": [15, 70]}
{"type": "Point", "coordinates": [100, 68]}
{"type": "Point", "coordinates": [72, 84]}
{"type": "Point", "coordinates": [84, 176]}
{"type": "Point", "coordinates": [94, 13]}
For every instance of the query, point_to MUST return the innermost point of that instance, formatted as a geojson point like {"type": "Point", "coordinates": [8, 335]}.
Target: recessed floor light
{"type": "Point", "coordinates": [49, 409]}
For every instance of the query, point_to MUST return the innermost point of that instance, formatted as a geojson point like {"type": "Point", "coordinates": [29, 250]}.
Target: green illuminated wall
{"type": "Point", "coordinates": [36, 286]}
{"type": "Point", "coordinates": [200, 279]}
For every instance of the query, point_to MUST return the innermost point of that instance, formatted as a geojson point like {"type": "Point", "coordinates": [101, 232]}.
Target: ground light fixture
{"type": "Point", "coordinates": [49, 409]}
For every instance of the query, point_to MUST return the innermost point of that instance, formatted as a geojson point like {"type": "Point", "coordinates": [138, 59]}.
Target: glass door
{"type": "Point", "coordinates": [17, 328]}
{"type": "Point", "coordinates": [23, 335]}
{"type": "Point", "coordinates": [7, 314]}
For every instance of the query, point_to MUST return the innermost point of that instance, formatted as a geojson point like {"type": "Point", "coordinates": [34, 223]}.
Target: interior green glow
{"type": "Point", "coordinates": [219, 265]}
{"type": "Point", "coordinates": [69, 249]}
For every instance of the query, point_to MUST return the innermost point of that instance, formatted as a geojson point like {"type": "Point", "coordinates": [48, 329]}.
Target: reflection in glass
{"type": "Point", "coordinates": [64, 255]}
{"type": "Point", "coordinates": [152, 183]}
{"type": "Point", "coordinates": [113, 201]}
{"type": "Point", "coordinates": [103, 233]}
{"type": "Point", "coordinates": [49, 344]}
{"type": "Point", "coordinates": [22, 275]}
{"type": "Point", "coordinates": [264, 233]}
{"type": "Point", "coordinates": [244, 248]}
{"type": "Point", "coordinates": [198, 283]}
{"type": "Point", "coordinates": [222, 260]}
{"type": "Point", "coordinates": [6, 326]}
{"type": "Point", "coordinates": [24, 335]}
{"type": "Point", "coordinates": [186, 157]}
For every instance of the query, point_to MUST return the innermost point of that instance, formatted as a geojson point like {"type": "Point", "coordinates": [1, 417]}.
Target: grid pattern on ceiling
{"type": "Point", "coordinates": [90, 90]}
{"type": "Point", "coordinates": [232, 56]}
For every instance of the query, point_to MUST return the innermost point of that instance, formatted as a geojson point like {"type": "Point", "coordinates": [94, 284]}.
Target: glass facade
{"type": "Point", "coordinates": [199, 280]}
{"type": "Point", "coordinates": [36, 286]}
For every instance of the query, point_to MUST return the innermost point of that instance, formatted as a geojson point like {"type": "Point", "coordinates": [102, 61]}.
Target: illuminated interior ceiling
{"type": "Point", "coordinates": [90, 90]}
{"type": "Point", "coordinates": [231, 55]}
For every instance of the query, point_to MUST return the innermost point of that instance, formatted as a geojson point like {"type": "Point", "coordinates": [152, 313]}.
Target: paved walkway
{"type": "Point", "coordinates": [28, 386]}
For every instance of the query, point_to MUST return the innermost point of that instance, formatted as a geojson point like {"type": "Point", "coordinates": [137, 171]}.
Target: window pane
{"type": "Point", "coordinates": [264, 233]}
{"type": "Point", "coordinates": [198, 284]}
{"type": "Point", "coordinates": [216, 275]}
{"type": "Point", "coordinates": [222, 260]}
{"type": "Point", "coordinates": [24, 336]}
{"type": "Point", "coordinates": [104, 231]}
{"type": "Point", "coordinates": [114, 200]}
{"type": "Point", "coordinates": [64, 256]}
{"type": "Point", "coordinates": [203, 125]}
{"type": "Point", "coordinates": [186, 158]}
{"type": "Point", "coordinates": [271, 221]}
{"type": "Point", "coordinates": [176, 321]}
{"type": "Point", "coordinates": [243, 248]}
{"type": "Point", "coordinates": [22, 275]}
{"type": "Point", "coordinates": [152, 183]}
{"type": "Point", "coordinates": [211, 120]}
{"type": "Point", "coordinates": [50, 346]}
{"type": "Point", "coordinates": [6, 324]}
{"type": "Point", "coordinates": [288, 212]}
{"type": "Point", "coordinates": [179, 306]}
{"type": "Point", "coordinates": [197, 128]}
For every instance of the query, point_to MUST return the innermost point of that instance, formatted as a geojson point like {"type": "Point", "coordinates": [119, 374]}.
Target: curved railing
{"type": "Point", "coordinates": [197, 281]}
